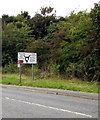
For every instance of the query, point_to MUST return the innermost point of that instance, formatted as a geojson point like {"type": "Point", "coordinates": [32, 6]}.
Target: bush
{"type": "Point", "coordinates": [10, 68]}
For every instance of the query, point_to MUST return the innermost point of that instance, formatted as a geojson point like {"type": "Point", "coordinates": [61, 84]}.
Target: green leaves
{"type": "Point", "coordinates": [46, 10]}
{"type": "Point", "coordinates": [71, 45]}
{"type": "Point", "coordinates": [15, 39]}
{"type": "Point", "coordinates": [42, 49]}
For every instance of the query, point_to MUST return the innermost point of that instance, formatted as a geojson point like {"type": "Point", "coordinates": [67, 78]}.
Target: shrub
{"type": "Point", "coordinates": [10, 68]}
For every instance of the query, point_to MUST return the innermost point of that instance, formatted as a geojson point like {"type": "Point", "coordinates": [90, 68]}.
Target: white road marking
{"type": "Point", "coordinates": [40, 105]}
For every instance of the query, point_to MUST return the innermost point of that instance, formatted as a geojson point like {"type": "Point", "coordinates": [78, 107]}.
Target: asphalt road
{"type": "Point", "coordinates": [32, 103]}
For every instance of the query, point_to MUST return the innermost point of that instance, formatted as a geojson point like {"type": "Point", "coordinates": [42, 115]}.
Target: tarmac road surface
{"type": "Point", "coordinates": [22, 102]}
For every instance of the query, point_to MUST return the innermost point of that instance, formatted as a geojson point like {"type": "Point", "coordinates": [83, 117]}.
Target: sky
{"type": "Point", "coordinates": [62, 7]}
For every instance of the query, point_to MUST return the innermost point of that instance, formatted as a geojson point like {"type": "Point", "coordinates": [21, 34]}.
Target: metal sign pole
{"type": "Point", "coordinates": [20, 72]}
{"type": "Point", "coordinates": [32, 72]}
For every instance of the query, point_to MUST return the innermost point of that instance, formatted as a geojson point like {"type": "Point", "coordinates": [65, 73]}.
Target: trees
{"type": "Point", "coordinates": [40, 22]}
{"type": "Point", "coordinates": [15, 38]}
{"type": "Point", "coordinates": [71, 44]}
{"type": "Point", "coordinates": [46, 10]}
{"type": "Point", "coordinates": [95, 43]}
{"type": "Point", "coordinates": [70, 36]}
{"type": "Point", "coordinates": [43, 51]}
{"type": "Point", "coordinates": [39, 25]}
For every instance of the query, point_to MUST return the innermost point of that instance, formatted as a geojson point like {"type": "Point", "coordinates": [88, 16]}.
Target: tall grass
{"type": "Point", "coordinates": [44, 79]}
{"type": "Point", "coordinates": [73, 84]}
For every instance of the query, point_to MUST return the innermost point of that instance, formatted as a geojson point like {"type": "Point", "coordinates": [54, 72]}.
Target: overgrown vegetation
{"type": "Point", "coordinates": [58, 83]}
{"type": "Point", "coordinates": [66, 46]}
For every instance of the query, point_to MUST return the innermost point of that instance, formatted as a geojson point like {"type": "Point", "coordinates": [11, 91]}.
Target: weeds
{"type": "Point", "coordinates": [74, 84]}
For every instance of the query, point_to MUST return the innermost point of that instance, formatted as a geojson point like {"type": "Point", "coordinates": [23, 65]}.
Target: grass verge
{"type": "Point", "coordinates": [73, 84]}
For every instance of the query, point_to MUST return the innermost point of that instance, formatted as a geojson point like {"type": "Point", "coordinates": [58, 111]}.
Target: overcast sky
{"type": "Point", "coordinates": [62, 7]}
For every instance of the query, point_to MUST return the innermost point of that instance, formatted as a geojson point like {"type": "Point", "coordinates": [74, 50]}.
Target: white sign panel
{"type": "Point", "coordinates": [27, 58]}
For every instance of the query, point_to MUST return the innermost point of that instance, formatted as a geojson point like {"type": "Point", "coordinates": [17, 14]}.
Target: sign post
{"type": "Point", "coordinates": [27, 58]}
{"type": "Point", "coordinates": [20, 72]}
{"type": "Point", "coordinates": [32, 72]}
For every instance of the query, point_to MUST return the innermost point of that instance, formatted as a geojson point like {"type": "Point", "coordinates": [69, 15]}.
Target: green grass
{"type": "Point", "coordinates": [74, 84]}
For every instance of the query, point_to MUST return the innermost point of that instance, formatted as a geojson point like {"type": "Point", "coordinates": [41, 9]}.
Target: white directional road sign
{"type": "Point", "coordinates": [27, 58]}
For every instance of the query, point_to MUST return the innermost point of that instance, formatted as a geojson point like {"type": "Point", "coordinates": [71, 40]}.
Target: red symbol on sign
{"type": "Point", "coordinates": [20, 61]}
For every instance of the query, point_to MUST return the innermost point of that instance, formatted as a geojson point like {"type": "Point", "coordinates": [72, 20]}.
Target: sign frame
{"type": "Point", "coordinates": [27, 58]}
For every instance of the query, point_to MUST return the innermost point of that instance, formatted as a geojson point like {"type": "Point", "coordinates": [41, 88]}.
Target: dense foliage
{"type": "Point", "coordinates": [70, 46]}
